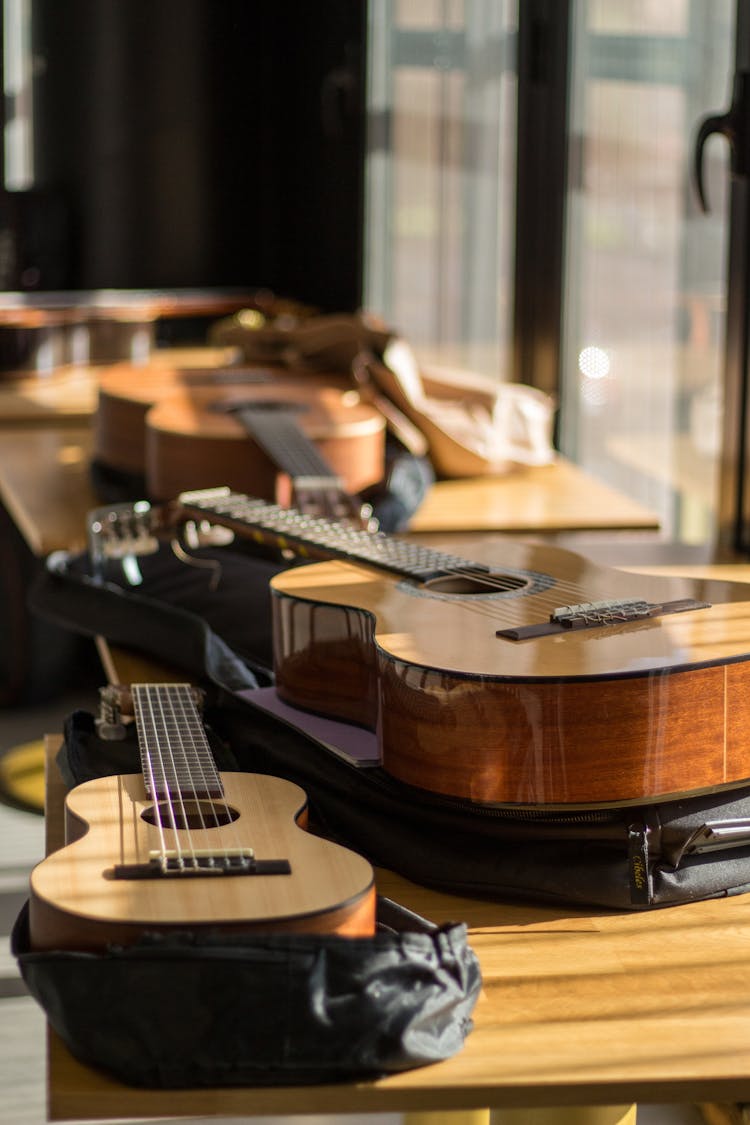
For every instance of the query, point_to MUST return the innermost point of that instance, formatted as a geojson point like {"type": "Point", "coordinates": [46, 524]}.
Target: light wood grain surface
{"type": "Point", "coordinates": [554, 497]}
{"type": "Point", "coordinates": [69, 394]}
{"type": "Point", "coordinates": [45, 485]}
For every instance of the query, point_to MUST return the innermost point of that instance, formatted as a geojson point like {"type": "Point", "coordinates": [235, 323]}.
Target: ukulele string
{"type": "Point", "coordinates": [180, 777]}
{"type": "Point", "coordinates": [180, 769]}
{"type": "Point", "coordinates": [195, 767]}
{"type": "Point", "coordinates": [148, 769]}
{"type": "Point", "coordinates": [156, 782]}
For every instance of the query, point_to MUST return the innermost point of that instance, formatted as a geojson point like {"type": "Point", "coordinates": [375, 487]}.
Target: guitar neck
{"type": "Point", "coordinates": [176, 758]}
{"type": "Point", "coordinates": [316, 489]}
{"type": "Point", "coordinates": [322, 538]}
{"type": "Point", "coordinates": [274, 427]}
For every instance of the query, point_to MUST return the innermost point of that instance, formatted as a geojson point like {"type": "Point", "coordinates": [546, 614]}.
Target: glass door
{"type": "Point", "coordinates": [645, 275]}
{"type": "Point", "coordinates": [440, 176]}
{"type": "Point", "coordinates": [625, 319]}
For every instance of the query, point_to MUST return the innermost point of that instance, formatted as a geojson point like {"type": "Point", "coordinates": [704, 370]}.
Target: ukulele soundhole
{"type": "Point", "coordinates": [189, 814]}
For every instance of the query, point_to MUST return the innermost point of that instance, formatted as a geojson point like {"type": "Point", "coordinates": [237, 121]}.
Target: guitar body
{"type": "Point", "coordinates": [127, 392]}
{"type": "Point", "coordinates": [617, 714]}
{"type": "Point", "coordinates": [76, 902]}
{"type": "Point", "coordinates": [193, 439]}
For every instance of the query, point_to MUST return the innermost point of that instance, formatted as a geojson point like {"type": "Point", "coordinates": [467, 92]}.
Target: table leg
{"type": "Point", "coordinates": [448, 1117]}
{"type": "Point", "coordinates": [566, 1115]}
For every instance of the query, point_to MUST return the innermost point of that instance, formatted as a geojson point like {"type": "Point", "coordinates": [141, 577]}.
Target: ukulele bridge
{"type": "Point", "coordinates": [171, 864]}
{"type": "Point", "coordinates": [593, 615]}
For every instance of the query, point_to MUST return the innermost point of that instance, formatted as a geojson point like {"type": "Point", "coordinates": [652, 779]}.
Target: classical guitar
{"type": "Point", "coordinates": [126, 393]}
{"type": "Point", "coordinates": [311, 446]}
{"type": "Point", "coordinates": [510, 673]}
{"type": "Point", "coordinates": [183, 846]}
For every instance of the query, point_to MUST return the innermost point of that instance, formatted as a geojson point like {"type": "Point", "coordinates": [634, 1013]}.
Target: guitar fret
{"type": "Point", "coordinates": [412, 560]}
{"type": "Point", "coordinates": [280, 437]}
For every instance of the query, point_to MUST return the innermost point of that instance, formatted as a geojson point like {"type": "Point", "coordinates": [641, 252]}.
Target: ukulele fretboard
{"type": "Point", "coordinates": [176, 758]}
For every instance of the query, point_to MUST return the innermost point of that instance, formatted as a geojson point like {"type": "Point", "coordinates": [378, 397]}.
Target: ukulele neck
{"type": "Point", "coordinates": [176, 758]}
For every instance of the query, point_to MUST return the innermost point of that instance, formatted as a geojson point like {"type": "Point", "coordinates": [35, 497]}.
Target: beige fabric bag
{"type": "Point", "coordinates": [468, 425]}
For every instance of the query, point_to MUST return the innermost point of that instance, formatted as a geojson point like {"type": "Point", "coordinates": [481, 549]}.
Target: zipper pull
{"type": "Point", "coordinates": [640, 880]}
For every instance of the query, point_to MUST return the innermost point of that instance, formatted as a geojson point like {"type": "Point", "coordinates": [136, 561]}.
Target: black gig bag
{"type": "Point", "coordinates": [202, 1009]}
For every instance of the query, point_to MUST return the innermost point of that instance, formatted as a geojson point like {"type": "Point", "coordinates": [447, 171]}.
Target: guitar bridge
{"type": "Point", "coordinates": [593, 615]}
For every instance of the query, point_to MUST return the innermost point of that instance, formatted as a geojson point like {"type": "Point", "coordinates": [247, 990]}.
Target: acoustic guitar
{"type": "Point", "coordinates": [181, 846]}
{"type": "Point", "coordinates": [126, 392]}
{"type": "Point", "coordinates": [296, 443]}
{"type": "Point", "coordinates": [511, 673]}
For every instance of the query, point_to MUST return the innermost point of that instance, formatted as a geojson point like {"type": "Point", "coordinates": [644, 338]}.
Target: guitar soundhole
{"type": "Point", "coordinates": [189, 814]}
{"type": "Point", "coordinates": [469, 584]}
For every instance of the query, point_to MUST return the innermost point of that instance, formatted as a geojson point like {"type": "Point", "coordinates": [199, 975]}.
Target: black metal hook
{"type": "Point", "coordinates": [735, 126]}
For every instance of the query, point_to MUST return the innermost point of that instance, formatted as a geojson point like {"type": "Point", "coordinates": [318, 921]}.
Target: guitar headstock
{"type": "Point", "coordinates": [126, 532]}
{"type": "Point", "coordinates": [116, 707]}
{"type": "Point", "coordinates": [121, 532]}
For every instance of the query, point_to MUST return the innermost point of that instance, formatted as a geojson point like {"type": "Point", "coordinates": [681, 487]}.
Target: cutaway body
{"type": "Point", "coordinates": [614, 714]}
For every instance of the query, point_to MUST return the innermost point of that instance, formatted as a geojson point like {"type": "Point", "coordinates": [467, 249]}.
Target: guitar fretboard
{"type": "Point", "coordinates": [176, 758]}
{"type": "Point", "coordinates": [307, 535]}
{"type": "Point", "coordinates": [274, 427]}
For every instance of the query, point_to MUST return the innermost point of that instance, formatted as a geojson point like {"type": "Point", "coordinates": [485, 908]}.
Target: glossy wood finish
{"type": "Point", "coordinates": [127, 392]}
{"type": "Point", "coordinates": [614, 715]}
{"type": "Point", "coordinates": [192, 442]}
{"type": "Point", "coordinates": [76, 903]}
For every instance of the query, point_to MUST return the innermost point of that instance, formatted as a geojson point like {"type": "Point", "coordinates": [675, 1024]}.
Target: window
{"type": "Point", "coordinates": [643, 278]}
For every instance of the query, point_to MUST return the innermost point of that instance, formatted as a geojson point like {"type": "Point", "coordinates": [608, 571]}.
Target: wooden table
{"type": "Point", "coordinates": [555, 497]}
{"type": "Point", "coordinates": [45, 485]}
{"type": "Point", "coordinates": [68, 395]}
{"type": "Point", "coordinates": [579, 1008]}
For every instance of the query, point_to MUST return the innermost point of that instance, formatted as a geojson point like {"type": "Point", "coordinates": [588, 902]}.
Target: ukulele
{"type": "Point", "coordinates": [181, 846]}
{"type": "Point", "coordinates": [512, 674]}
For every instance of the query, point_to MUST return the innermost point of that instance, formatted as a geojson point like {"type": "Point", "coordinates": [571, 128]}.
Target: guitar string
{"type": "Point", "coordinates": [516, 608]}
{"type": "Point", "coordinates": [512, 610]}
{"type": "Point", "coordinates": [287, 445]}
{"type": "Point", "coordinates": [464, 570]}
{"type": "Point", "coordinates": [510, 583]}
